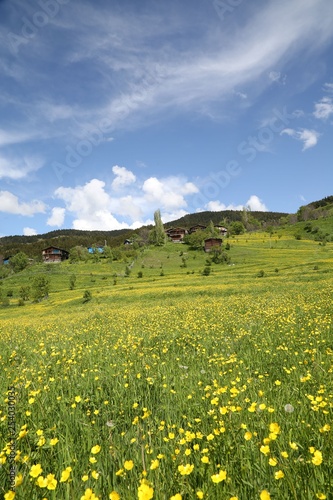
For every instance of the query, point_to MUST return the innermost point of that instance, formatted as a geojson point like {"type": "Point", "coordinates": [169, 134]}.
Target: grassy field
{"type": "Point", "coordinates": [172, 385]}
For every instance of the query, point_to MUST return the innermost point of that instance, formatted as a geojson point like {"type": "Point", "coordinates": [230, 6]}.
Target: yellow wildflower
{"type": "Point", "coordinates": [114, 496]}
{"type": "Point", "coordinates": [145, 491]}
{"type": "Point", "coordinates": [185, 470]}
{"type": "Point", "coordinates": [128, 464]}
{"type": "Point", "coordinates": [36, 470]}
{"type": "Point", "coordinates": [279, 474]}
{"type": "Point", "coordinates": [89, 495]}
{"type": "Point", "coordinates": [65, 474]}
{"type": "Point", "coordinates": [51, 482]}
{"type": "Point", "coordinates": [317, 458]}
{"type": "Point", "coordinates": [10, 495]}
{"type": "Point", "coordinates": [221, 476]}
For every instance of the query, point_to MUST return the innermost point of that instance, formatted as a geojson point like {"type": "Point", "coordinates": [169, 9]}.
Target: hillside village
{"type": "Point", "coordinates": [57, 245]}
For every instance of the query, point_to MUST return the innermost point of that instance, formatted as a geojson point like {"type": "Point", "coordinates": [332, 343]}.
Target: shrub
{"type": "Point", "coordinates": [72, 281]}
{"type": "Point", "coordinates": [206, 271]}
{"type": "Point", "coordinates": [261, 274]}
{"type": "Point", "coordinates": [87, 296]}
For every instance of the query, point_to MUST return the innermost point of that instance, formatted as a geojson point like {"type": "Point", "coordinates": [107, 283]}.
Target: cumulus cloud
{"type": "Point", "coordinates": [123, 177]}
{"type": "Point", "coordinates": [29, 231]}
{"type": "Point", "coordinates": [168, 193]}
{"type": "Point", "coordinates": [9, 203]}
{"type": "Point", "coordinates": [323, 108]}
{"type": "Point", "coordinates": [57, 217]}
{"type": "Point", "coordinates": [254, 203]}
{"type": "Point", "coordinates": [95, 207]}
{"type": "Point", "coordinates": [308, 137]}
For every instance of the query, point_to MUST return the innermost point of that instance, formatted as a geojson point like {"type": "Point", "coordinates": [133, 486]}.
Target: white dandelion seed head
{"type": "Point", "coordinates": [288, 408]}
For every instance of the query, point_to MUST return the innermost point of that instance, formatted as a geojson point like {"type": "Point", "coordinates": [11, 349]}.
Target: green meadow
{"type": "Point", "coordinates": [166, 383]}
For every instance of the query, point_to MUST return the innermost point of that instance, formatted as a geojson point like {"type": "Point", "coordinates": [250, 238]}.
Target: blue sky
{"type": "Point", "coordinates": [112, 109]}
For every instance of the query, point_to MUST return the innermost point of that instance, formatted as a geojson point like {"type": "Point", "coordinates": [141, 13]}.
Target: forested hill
{"type": "Point", "coordinates": [226, 217]}
{"type": "Point", "coordinates": [62, 238]}
{"type": "Point", "coordinates": [69, 238]}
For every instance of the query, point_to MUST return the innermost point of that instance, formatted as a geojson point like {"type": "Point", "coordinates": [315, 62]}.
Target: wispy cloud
{"type": "Point", "coordinates": [18, 168]}
{"type": "Point", "coordinates": [143, 73]}
{"type": "Point", "coordinates": [323, 108]}
{"type": "Point", "coordinates": [308, 137]}
{"type": "Point", "coordinates": [277, 77]}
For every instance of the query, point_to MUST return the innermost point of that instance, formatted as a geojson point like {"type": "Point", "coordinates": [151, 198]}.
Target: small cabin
{"type": "Point", "coordinates": [128, 242]}
{"type": "Point", "coordinates": [212, 243]}
{"type": "Point", "coordinates": [54, 254]}
{"type": "Point", "coordinates": [197, 227]}
{"type": "Point", "coordinates": [221, 229]}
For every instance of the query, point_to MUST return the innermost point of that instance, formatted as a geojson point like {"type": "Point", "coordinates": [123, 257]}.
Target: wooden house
{"type": "Point", "coordinates": [221, 229]}
{"type": "Point", "coordinates": [197, 227]}
{"type": "Point", "coordinates": [176, 234]}
{"type": "Point", "coordinates": [211, 243]}
{"type": "Point", "coordinates": [54, 254]}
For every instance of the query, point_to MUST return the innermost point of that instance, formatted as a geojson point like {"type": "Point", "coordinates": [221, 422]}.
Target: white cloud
{"type": "Point", "coordinates": [217, 206]}
{"type": "Point", "coordinates": [254, 203]}
{"type": "Point", "coordinates": [29, 231]}
{"type": "Point", "coordinates": [323, 108]}
{"type": "Point", "coordinates": [93, 207]}
{"type": "Point", "coordinates": [57, 217]}
{"type": "Point", "coordinates": [9, 203]}
{"type": "Point", "coordinates": [123, 177]}
{"type": "Point", "coordinates": [308, 137]}
{"type": "Point", "coordinates": [10, 137]}
{"type": "Point", "coordinates": [328, 87]}
{"type": "Point", "coordinates": [18, 168]}
{"type": "Point", "coordinates": [54, 112]}
{"type": "Point", "coordinates": [242, 95]}
{"type": "Point", "coordinates": [277, 77]}
{"type": "Point", "coordinates": [168, 193]}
